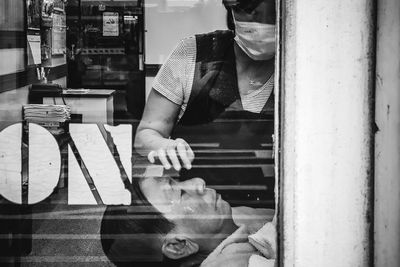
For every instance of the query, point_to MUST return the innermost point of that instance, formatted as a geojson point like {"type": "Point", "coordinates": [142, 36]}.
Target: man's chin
{"type": "Point", "coordinates": [225, 208]}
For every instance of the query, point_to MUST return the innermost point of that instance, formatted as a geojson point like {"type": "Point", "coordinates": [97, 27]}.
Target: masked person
{"type": "Point", "coordinates": [226, 74]}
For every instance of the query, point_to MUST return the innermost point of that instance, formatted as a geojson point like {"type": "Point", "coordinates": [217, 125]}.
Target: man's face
{"type": "Point", "coordinates": [189, 204]}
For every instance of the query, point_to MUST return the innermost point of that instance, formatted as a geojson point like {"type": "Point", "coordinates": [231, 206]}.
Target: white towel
{"type": "Point", "coordinates": [259, 261]}
{"type": "Point", "coordinates": [265, 240]}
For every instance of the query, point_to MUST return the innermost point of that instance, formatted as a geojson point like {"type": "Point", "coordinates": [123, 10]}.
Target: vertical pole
{"type": "Point", "coordinates": [387, 142]}
{"type": "Point", "coordinates": [328, 67]}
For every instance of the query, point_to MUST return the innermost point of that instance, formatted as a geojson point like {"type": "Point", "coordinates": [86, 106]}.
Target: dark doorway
{"type": "Point", "coordinates": [105, 51]}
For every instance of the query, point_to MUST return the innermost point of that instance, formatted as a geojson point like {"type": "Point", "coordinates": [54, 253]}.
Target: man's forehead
{"type": "Point", "coordinates": [154, 183]}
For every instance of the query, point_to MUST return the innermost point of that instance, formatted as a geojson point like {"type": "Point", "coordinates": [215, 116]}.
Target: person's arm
{"type": "Point", "coordinates": [152, 136]}
{"type": "Point", "coordinates": [171, 89]}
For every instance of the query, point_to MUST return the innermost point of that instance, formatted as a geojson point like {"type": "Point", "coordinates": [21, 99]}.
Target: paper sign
{"type": "Point", "coordinates": [110, 24]}
{"type": "Point", "coordinates": [58, 41]}
{"type": "Point", "coordinates": [34, 52]}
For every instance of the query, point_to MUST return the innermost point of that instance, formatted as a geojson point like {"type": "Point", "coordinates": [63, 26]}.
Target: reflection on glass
{"type": "Point", "coordinates": [208, 124]}
{"type": "Point", "coordinates": [203, 167]}
{"type": "Point", "coordinates": [107, 43]}
{"type": "Point", "coordinates": [212, 105]}
{"type": "Point", "coordinates": [186, 223]}
{"type": "Point", "coordinates": [33, 14]}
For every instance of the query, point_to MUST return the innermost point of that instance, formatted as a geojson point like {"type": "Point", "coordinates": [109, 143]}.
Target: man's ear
{"type": "Point", "coordinates": [177, 247]}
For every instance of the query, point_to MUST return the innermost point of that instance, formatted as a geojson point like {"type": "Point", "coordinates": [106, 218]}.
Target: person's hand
{"type": "Point", "coordinates": [173, 153]}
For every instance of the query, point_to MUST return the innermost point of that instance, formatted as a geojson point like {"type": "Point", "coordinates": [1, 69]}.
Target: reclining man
{"type": "Point", "coordinates": [186, 224]}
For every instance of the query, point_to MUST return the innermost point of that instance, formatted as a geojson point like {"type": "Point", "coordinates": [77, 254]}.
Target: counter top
{"type": "Point", "coordinates": [88, 92]}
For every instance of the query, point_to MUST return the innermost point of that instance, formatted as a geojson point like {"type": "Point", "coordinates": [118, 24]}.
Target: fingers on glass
{"type": "Point", "coordinates": [178, 154]}
{"type": "Point", "coordinates": [184, 155]}
{"type": "Point", "coordinates": [151, 156]}
{"type": "Point", "coordinates": [171, 152]}
{"type": "Point", "coordinates": [163, 158]}
{"type": "Point", "coordinates": [190, 152]}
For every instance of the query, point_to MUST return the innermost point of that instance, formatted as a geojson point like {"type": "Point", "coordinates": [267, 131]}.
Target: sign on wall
{"type": "Point", "coordinates": [33, 49]}
{"type": "Point", "coordinates": [110, 24]}
{"type": "Point", "coordinates": [59, 34]}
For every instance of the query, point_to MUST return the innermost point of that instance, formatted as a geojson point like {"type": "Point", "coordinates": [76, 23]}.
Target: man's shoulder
{"type": "Point", "coordinates": [234, 255]}
{"type": "Point", "coordinates": [253, 218]}
{"type": "Point", "coordinates": [234, 251]}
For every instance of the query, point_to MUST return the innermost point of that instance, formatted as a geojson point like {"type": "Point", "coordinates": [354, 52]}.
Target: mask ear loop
{"type": "Point", "coordinates": [233, 17]}
{"type": "Point", "coordinates": [234, 21]}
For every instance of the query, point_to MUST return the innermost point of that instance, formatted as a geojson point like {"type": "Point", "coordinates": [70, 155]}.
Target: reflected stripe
{"type": "Point", "coordinates": [219, 165]}
{"type": "Point", "coordinates": [239, 187]}
{"type": "Point", "coordinates": [51, 216]}
{"type": "Point", "coordinates": [222, 150]}
{"type": "Point", "coordinates": [108, 236]}
{"type": "Point", "coordinates": [56, 259]}
{"type": "Point", "coordinates": [204, 145]}
{"type": "Point", "coordinates": [265, 156]}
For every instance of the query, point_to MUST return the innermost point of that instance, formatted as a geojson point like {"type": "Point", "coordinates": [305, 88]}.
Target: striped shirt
{"type": "Point", "coordinates": [175, 79]}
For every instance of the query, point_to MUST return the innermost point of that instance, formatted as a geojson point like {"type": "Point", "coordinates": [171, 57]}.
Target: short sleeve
{"type": "Point", "coordinates": [175, 78]}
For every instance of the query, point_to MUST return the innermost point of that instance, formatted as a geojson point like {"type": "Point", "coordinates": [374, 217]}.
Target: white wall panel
{"type": "Point", "coordinates": [12, 60]}
{"type": "Point", "coordinates": [169, 21]}
{"type": "Point", "coordinates": [327, 85]}
{"type": "Point", "coordinates": [387, 142]}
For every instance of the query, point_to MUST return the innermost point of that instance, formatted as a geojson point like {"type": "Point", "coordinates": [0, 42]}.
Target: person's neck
{"type": "Point", "coordinates": [252, 72]}
{"type": "Point", "coordinates": [243, 60]}
{"type": "Point", "coordinates": [209, 244]}
{"type": "Point", "coordinates": [194, 260]}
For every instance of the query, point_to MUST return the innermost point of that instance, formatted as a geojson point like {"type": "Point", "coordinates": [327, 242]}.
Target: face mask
{"type": "Point", "coordinates": [257, 40]}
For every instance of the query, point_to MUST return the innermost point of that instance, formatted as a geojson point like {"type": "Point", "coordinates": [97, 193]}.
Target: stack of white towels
{"type": "Point", "coordinates": [52, 117]}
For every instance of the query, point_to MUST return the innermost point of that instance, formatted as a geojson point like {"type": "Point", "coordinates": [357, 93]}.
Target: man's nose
{"type": "Point", "coordinates": [194, 186]}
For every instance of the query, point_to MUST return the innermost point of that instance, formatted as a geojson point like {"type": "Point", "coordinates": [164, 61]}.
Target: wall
{"type": "Point", "coordinates": [327, 86]}
{"type": "Point", "coordinates": [148, 83]}
{"type": "Point", "coordinates": [11, 106]}
{"type": "Point", "coordinates": [14, 60]}
{"type": "Point", "coordinates": [12, 54]}
{"type": "Point", "coordinates": [15, 76]}
{"type": "Point", "coordinates": [387, 142]}
{"type": "Point", "coordinates": [11, 103]}
{"type": "Point", "coordinates": [169, 21]}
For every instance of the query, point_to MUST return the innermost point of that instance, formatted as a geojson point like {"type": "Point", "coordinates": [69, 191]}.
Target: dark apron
{"type": "Point", "coordinates": [214, 119]}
